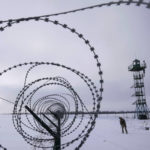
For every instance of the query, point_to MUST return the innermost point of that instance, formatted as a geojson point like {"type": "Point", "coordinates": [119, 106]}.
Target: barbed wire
{"type": "Point", "coordinates": [112, 3]}
{"type": "Point", "coordinates": [23, 99]}
{"type": "Point", "coordinates": [42, 104]}
{"type": "Point", "coordinates": [6, 100]}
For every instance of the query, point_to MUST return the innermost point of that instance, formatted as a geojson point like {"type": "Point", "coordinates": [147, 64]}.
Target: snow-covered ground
{"type": "Point", "coordinates": [106, 135]}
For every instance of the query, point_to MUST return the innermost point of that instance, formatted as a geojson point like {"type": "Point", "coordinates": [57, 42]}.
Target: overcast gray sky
{"type": "Point", "coordinates": [119, 35]}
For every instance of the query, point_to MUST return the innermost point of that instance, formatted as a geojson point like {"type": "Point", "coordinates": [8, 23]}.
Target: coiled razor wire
{"type": "Point", "coordinates": [9, 22]}
{"type": "Point", "coordinates": [30, 129]}
{"type": "Point", "coordinates": [26, 125]}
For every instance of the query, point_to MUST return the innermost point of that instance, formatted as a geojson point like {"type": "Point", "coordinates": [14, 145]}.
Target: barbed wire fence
{"type": "Point", "coordinates": [9, 22]}
{"type": "Point", "coordinates": [52, 101]}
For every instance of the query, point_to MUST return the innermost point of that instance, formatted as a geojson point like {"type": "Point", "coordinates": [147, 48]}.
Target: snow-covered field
{"type": "Point", "coordinates": [106, 135]}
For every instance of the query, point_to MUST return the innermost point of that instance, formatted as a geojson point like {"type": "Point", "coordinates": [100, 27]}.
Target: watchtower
{"type": "Point", "coordinates": [138, 70]}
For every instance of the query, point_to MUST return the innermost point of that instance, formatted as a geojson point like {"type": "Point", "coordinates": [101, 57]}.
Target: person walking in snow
{"type": "Point", "coordinates": [123, 125]}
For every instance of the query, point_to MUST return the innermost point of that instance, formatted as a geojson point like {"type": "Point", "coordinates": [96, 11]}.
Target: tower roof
{"type": "Point", "coordinates": [137, 66]}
